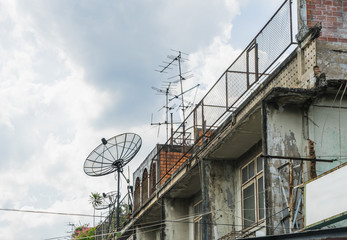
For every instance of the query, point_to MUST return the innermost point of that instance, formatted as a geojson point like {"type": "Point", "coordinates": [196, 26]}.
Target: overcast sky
{"type": "Point", "coordinates": [73, 72]}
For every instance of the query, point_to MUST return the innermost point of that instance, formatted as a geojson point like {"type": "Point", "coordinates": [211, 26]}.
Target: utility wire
{"type": "Point", "coordinates": [46, 212]}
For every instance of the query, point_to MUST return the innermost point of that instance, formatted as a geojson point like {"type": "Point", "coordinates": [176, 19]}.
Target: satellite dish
{"type": "Point", "coordinates": [112, 154]}
{"type": "Point", "coordinates": [108, 200]}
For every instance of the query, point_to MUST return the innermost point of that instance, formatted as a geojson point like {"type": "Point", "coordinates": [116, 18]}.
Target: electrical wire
{"type": "Point", "coordinates": [178, 220]}
{"type": "Point", "coordinates": [46, 212]}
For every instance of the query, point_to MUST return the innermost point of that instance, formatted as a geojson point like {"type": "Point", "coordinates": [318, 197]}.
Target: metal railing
{"type": "Point", "coordinates": [236, 84]}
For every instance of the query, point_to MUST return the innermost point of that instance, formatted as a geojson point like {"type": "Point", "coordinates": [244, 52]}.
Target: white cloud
{"type": "Point", "coordinates": [49, 61]}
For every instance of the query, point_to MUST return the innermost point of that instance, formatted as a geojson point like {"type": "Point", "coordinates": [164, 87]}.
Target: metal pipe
{"type": "Point", "coordinates": [299, 158]}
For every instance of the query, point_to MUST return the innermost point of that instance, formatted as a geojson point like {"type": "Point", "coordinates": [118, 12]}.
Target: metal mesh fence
{"type": "Point", "coordinates": [236, 84]}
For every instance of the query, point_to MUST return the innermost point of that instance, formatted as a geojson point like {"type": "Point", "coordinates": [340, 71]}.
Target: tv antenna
{"type": "Point", "coordinates": [111, 156]}
{"type": "Point", "coordinates": [167, 93]}
{"type": "Point", "coordinates": [177, 60]}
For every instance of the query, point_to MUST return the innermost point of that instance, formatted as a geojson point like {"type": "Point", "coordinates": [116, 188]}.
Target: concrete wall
{"type": "Point", "coordinates": [176, 222]}
{"type": "Point", "coordinates": [332, 59]}
{"type": "Point", "coordinates": [221, 196]}
{"type": "Point", "coordinates": [143, 233]}
{"type": "Point", "coordinates": [284, 136]}
{"type": "Point", "coordinates": [328, 130]}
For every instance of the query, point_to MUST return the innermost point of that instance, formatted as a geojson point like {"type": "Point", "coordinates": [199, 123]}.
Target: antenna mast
{"type": "Point", "coordinates": [179, 59]}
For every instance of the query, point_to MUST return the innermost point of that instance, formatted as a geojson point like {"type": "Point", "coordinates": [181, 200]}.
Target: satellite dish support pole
{"type": "Point", "coordinates": [118, 207]}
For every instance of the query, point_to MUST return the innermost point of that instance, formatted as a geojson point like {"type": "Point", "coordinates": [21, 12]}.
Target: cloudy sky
{"type": "Point", "coordinates": [72, 72]}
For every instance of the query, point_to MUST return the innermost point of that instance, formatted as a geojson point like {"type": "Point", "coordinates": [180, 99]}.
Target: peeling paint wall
{"type": "Point", "coordinates": [332, 59]}
{"type": "Point", "coordinates": [285, 137]}
{"type": "Point", "coordinates": [221, 197]}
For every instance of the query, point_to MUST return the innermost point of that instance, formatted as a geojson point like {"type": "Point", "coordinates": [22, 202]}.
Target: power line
{"type": "Point", "coordinates": [46, 212]}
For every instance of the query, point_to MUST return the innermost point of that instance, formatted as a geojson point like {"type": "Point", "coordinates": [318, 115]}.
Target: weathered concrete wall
{"type": "Point", "coordinates": [332, 59]}
{"type": "Point", "coordinates": [328, 130]}
{"type": "Point", "coordinates": [284, 134]}
{"type": "Point", "coordinates": [176, 213]}
{"type": "Point", "coordinates": [221, 196]}
{"type": "Point", "coordinates": [144, 233]}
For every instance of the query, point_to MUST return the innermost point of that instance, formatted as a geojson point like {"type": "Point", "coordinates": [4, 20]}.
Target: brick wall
{"type": "Point", "coordinates": [152, 179]}
{"type": "Point", "coordinates": [333, 16]}
{"type": "Point", "coordinates": [169, 163]}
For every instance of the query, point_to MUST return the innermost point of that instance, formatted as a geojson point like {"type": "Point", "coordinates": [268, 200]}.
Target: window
{"type": "Point", "coordinates": [197, 221]}
{"type": "Point", "coordinates": [252, 192]}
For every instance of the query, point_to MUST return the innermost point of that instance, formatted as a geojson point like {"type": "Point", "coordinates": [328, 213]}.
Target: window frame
{"type": "Point", "coordinates": [197, 220]}
{"type": "Point", "coordinates": [248, 182]}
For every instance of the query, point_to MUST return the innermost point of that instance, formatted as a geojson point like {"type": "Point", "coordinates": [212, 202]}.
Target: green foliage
{"type": "Point", "coordinates": [84, 232]}
{"type": "Point", "coordinates": [95, 199]}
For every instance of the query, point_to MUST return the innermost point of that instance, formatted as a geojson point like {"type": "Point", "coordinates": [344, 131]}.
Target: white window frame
{"type": "Point", "coordinates": [253, 180]}
{"type": "Point", "coordinates": [197, 220]}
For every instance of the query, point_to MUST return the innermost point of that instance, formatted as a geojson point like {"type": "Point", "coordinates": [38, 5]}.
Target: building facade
{"type": "Point", "coordinates": [274, 121]}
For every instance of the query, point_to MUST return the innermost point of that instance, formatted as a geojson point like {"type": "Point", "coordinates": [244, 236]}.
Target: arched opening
{"type": "Point", "coordinates": [145, 185]}
{"type": "Point", "coordinates": [137, 194]}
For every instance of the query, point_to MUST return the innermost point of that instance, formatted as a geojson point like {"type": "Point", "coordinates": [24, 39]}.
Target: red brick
{"type": "Point", "coordinates": [332, 19]}
{"type": "Point", "coordinates": [309, 6]}
{"type": "Point", "coordinates": [317, 1]}
{"type": "Point", "coordinates": [328, 2]}
{"type": "Point", "coordinates": [337, 14]}
{"type": "Point", "coordinates": [337, 24]}
{"type": "Point", "coordinates": [322, 18]}
{"type": "Point", "coordinates": [327, 13]}
{"type": "Point", "coordinates": [317, 12]}
{"type": "Point", "coordinates": [332, 39]}
{"type": "Point", "coordinates": [344, 40]}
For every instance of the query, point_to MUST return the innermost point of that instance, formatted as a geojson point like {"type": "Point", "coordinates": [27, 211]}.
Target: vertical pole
{"type": "Point", "coordinates": [226, 91]}
{"type": "Point", "coordinates": [118, 197]}
{"type": "Point", "coordinates": [291, 21]}
{"type": "Point", "coordinates": [183, 107]}
{"type": "Point", "coordinates": [291, 195]}
{"type": "Point", "coordinates": [247, 67]}
{"type": "Point", "coordinates": [167, 113]}
{"type": "Point", "coordinates": [256, 61]}
{"type": "Point", "coordinates": [171, 139]}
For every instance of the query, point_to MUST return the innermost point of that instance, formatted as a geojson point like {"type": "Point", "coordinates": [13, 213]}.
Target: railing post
{"type": "Point", "coordinates": [256, 61]}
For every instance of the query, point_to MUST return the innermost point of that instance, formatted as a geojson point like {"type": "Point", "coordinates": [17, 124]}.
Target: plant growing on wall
{"type": "Point", "coordinates": [84, 232]}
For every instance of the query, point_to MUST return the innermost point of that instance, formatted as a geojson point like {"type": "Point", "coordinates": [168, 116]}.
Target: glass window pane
{"type": "Point", "coordinates": [248, 206]}
{"type": "Point", "coordinates": [251, 169]}
{"type": "Point", "coordinates": [259, 164]}
{"type": "Point", "coordinates": [261, 198]}
{"type": "Point", "coordinates": [244, 175]}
